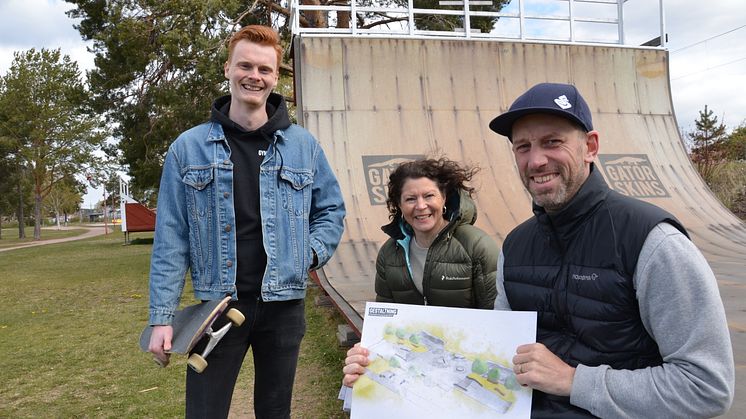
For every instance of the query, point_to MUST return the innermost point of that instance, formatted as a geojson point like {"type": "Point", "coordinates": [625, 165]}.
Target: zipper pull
{"type": "Point", "coordinates": [424, 298]}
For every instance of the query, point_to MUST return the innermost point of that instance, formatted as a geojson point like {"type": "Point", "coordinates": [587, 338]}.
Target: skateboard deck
{"type": "Point", "coordinates": [189, 325]}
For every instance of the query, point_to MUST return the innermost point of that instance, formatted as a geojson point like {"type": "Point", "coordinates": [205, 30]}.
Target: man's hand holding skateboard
{"type": "Point", "coordinates": [190, 325]}
{"type": "Point", "coordinates": [160, 343]}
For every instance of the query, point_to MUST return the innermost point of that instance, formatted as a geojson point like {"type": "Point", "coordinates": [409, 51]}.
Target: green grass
{"type": "Point", "coordinates": [69, 328]}
{"type": "Point", "coordinates": [10, 235]}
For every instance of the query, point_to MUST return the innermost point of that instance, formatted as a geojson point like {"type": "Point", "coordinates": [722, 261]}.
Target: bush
{"type": "Point", "coordinates": [728, 183]}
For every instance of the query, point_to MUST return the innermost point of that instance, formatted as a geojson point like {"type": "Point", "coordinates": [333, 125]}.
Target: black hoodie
{"type": "Point", "coordinates": [247, 152]}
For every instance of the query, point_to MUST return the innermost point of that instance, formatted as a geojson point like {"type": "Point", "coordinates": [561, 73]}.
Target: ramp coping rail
{"type": "Point", "coordinates": [400, 21]}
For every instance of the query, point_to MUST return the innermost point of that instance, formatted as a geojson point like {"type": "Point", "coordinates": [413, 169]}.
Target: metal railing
{"type": "Point", "coordinates": [576, 21]}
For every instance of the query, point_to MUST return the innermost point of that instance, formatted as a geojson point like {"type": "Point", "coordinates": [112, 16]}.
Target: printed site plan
{"type": "Point", "coordinates": [439, 362]}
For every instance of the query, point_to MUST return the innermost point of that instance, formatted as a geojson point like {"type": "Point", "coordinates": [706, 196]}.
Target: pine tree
{"type": "Point", "coordinates": [708, 143]}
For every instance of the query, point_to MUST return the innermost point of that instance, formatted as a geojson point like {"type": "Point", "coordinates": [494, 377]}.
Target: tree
{"type": "Point", "coordinates": [708, 140]}
{"type": "Point", "coordinates": [452, 23]}
{"type": "Point", "coordinates": [21, 196]}
{"type": "Point", "coordinates": [16, 196]}
{"type": "Point", "coordinates": [493, 376]}
{"type": "Point", "coordinates": [44, 113]}
{"type": "Point", "coordinates": [14, 183]}
{"type": "Point", "coordinates": [735, 144]}
{"type": "Point", "coordinates": [511, 383]}
{"type": "Point", "coordinates": [159, 66]}
{"type": "Point", "coordinates": [394, 363]}
{"type": "Point", "coordinates": [369, 20]}
{"type": "Point", "coordinates": [422, 21]}
{"type": "Point", "coordinates": [479, 366]}
{"type": "Point", "coordinates": [13, 180]}
{"type": "Point", "coordinates": [7, 181]}
{"type": "Point", "coordinates": [64, 198]}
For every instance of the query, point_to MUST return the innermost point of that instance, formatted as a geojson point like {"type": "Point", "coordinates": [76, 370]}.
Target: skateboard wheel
{"type": "Point", "coordinates": [235, 316]}
{"type": "Point", "coordinates": [197, 363]}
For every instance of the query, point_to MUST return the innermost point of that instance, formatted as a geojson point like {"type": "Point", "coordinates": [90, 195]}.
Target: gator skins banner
{"type": "Point", "coordinates": [377, 170]}
{"type": "Point", "coordinates": [632, 175]}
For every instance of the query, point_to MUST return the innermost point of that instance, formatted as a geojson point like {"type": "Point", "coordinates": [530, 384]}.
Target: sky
{"type": "Point", "coordinates": [706, 41]}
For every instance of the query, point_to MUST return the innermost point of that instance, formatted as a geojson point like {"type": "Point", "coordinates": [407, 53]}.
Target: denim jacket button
{"type": "Point", "coordinates": [226, 194]}
{"type": "Point", "coordinates": [228, 228]}
{"type": "Point", "coordinates": [229, 263]}
{"type": "Point", "coordinates": [226, 162]}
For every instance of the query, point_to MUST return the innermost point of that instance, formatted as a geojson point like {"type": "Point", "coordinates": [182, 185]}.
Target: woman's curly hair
{"type": "Point", "coordinates": [447, 174]}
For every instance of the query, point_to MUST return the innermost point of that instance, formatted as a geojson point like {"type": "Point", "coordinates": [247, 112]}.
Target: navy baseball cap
{"type": "Point", "coordinates": [553, 98]}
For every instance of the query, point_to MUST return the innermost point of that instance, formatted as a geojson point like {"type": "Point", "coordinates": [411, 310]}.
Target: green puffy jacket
{"type": "Point", "coordinates": [461, 265]}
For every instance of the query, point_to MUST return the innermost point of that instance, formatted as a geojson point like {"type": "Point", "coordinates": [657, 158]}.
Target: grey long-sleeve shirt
{"type": "Point", "coordinates": [681, 309]}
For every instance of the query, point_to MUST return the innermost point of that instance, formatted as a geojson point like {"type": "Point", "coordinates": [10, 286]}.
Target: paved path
{"type": "Point", "coordinates": [93, 230]}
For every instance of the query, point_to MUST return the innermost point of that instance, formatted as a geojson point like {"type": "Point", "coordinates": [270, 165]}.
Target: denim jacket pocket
{"type": "Point", "coordinates": [297, 197]}
{"type": "Point", "coordinates": [197, 177]}
{"type": "Point", "coordinates": [296, 204]}
{"type": "Point", "coordinates": [298, 180]}
{"type": "Point", "coordinates": [200, 195]}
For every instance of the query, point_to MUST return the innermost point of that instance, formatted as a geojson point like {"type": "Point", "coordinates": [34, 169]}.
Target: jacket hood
{"type": "Point", "coordinates": [277, 114]}
{"type": "Point", "coordinates": [460, 209]}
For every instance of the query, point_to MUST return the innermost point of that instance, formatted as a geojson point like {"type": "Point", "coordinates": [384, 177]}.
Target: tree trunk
{"type": "Point", "coordinates": [21, 219]}
{"type": "Point", "coordinates": [343, 19]}
{"type": "Point", "coordinates": [316, 18]}
{"type": "Point", "coordinates": [57, 219]}
{"type": "Point", "coordinates": [37, 215]}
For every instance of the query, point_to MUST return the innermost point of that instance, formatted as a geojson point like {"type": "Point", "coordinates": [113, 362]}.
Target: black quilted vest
{"type": "Point", "coordinates": [575, 268]}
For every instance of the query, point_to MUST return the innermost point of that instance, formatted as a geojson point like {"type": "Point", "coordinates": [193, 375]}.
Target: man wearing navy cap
{"type": "Point", "coordinates": [630, 323]}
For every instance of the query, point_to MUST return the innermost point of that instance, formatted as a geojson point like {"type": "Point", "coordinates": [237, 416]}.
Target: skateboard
{"type": "Point", "coordinates": [193, 323]}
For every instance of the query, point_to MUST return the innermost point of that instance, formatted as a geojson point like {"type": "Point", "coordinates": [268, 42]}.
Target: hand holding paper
{"type": "Point", "coordinates": [355, 363]}
{"type": "Point", "coordinates": [537, 367]}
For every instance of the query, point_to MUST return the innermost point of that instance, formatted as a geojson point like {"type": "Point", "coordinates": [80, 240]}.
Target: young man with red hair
{"type": "Point", "coordinates": [248, 203]}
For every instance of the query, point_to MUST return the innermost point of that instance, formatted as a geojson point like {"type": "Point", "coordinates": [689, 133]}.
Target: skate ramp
{"type": "Point", "coordinates": [376, 102]}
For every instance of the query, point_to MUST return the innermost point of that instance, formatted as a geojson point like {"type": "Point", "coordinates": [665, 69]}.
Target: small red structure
{"type": "Point", "coordinates": [139, 217]}
{"type": "Point", "coordinates": [135, 216]}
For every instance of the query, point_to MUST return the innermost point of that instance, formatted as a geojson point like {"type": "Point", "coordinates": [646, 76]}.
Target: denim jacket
{"type": "Point", "coordinates": [301, 209]}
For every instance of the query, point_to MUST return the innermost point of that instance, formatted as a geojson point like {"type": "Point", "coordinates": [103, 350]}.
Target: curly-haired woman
{"type": "Point", "coordinates": [435, 255]}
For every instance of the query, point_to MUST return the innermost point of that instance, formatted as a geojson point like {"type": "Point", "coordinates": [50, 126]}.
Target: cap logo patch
{"type": "Point", "coordinates": [562, 102]}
